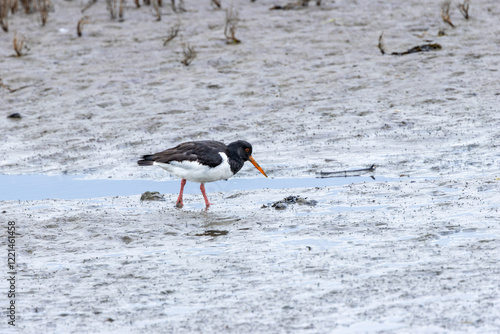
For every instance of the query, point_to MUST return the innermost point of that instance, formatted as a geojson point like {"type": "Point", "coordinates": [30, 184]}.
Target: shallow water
{"type": "Point", "coordinates": [37, 187]}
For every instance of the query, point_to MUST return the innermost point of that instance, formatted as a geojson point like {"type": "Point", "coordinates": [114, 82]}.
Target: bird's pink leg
{"type": "Point", "coordinates": [179, 203]}
{"type": "Point", "coordinates": [207, 203]}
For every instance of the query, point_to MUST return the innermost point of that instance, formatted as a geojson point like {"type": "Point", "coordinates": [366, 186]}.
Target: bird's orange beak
{"type": "Point", "coordinates": [256, 165]}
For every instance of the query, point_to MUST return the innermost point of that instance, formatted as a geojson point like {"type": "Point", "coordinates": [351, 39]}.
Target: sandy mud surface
{"type": "Point", "coordinates": [312, 92]}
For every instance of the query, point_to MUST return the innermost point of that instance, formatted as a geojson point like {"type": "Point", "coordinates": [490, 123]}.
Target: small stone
{"type": "Point", "coordinates": [280, 206]}
{"type": "Point", "coordinates": [152, 196]}
{"type": "Point", "coordinates": [15, 115]}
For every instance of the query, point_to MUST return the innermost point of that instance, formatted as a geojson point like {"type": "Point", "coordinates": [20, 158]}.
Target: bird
{"type": "Point", "coordinates": [202, 161]}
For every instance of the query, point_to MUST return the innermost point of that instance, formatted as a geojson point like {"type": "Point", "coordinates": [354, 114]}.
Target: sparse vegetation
{"type": "Point", "coordinates": [18, 43]}
{"type": "Point", "coordinates": [111, 6]}
{"type": "Point", "coordinates": [381, 46]}
{"type": "Point", "coordinates": [88, 5]}
{"type": "Point", "coordinates": [464, 8]}
{"type": "Point", "coordinates": [43, 9]}
{"type": "Point", "coordinates": [189, 54]}
{"type": "Point", "coordinates": [232, 20]}
{"type": "Point", "coordinates": [172, 34]}
{"type": "Point", "coordinates": [79, 26]}
{"type": "Point", "coordinates": [179, 7]}
{"type": "Point", "coordinates": [4, 13]}
{"type": "Point", "coordinates": [216, 3]}
{"type": "Point", "coordinates": [445, 12]}
{"type": "Point", "coordinates": [120, 10]}
{"type": "Point", "coordinates": [156, 6]}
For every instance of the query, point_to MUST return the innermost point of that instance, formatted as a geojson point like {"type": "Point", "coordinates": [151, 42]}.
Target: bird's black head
{"type": "Point", "coordinates": [243, 151]}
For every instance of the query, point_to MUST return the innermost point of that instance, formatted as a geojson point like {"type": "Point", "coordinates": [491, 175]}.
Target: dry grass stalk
{"type": "Point", "coordinates": [111, 5]}
{"type": "Point", "coordinates": [4, 13]}
{"type": "Point", "coordinates": [28, 6]}
{"type": "Point", "coordinates": [88, 5]}
{"type": "Point", "coordinates": [232, 20]}
{"type": "Point", "coordinates": [189, 54]}
{"type": "Point", "coordinates": [18, 43]}
{"type": "Point", "coordinates": [179, 8]}
{"type": "Point", "coordinates": [13, 6]}
{"type": "Point", "coordinates": [464, 8]}
{"type": "Point", "coordinates": [79, 26]}
{"type": "Point", "coordinates": [156, 6]}
{"type": "Point", "coordinates": [172, 34]}
{"type": "Point", "coordinates": [120, 10]}
{"type": "Point", "coordinates": [43, 9]}
{"type": "Point", "coordinates": [445, 12]}
{"type": "Point", "coordinates": [381, 46]}
{"type": "Point", "coordinates": [12, 90]}
{"type": "Point", "coordinates": [216, 3]}
{"type": "Point", "coordinates": [137, 3]}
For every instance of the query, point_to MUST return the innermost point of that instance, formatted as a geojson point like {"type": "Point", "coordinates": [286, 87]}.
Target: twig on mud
{"type": "Point", "coordinates": [464, 8]}
{"type": "Point", "coordinates": [18, 45]}
{"type": "Point", "coordinates": [232, 20]}
{"type": "Point", "coordinates": [348, 173]}
{"type": "Point", "coordinates": [172, 34]}
{"type": "Point", "coordinates": [79, 26]}
{"type": "Point", "coordinates": [381, 46]}
{"type": "Point", "coordinates": [295, 5]}
{"type": "Point", "coordinates": [445, 12]}
{"type": "Point", "coordinates": [89, 4]}
{"type": "Point", "coordinates": [189, 54]}
{"type": "Point", "coordinates": [419, 48]}
{"type": "Point", "coordinates": [156, 6]}
{"type": "Point", "coordinates": [216, 3]}
{"type": "Point", "coordinates": [12, 90]}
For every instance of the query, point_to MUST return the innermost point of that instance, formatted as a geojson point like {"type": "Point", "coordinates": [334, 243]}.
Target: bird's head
{"type": "Point", "coordinates": [244, 150]}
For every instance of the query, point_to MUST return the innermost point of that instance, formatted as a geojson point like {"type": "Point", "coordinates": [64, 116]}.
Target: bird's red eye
{"type": "Point", "coordinates": [247, 150]}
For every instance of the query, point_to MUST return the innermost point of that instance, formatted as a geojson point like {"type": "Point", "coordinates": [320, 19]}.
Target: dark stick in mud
{"type": "Point", "coordinates": [348, 173]}
{"type": "Point", "coordinates": [419, 48]}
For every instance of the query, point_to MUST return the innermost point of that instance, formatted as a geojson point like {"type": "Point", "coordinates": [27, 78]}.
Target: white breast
{"type": "Point", "coordinates": [196, 172]}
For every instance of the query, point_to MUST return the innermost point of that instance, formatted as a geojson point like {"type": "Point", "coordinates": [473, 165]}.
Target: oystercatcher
{"type": "Point", "coordinates": [202, 161]}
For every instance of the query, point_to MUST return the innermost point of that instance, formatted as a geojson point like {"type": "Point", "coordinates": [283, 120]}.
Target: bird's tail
{"type": "Point", "coordinates": [147, 160]}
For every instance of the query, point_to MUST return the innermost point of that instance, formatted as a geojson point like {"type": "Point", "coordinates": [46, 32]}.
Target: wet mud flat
{"type": "Point", "coordinates": [311, 91]}
{"type": "Point", "coordinates": [419, 256]}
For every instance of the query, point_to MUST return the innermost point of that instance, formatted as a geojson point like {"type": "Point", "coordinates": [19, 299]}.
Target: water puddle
{"type": "Point", "coordinates": [38, 187]}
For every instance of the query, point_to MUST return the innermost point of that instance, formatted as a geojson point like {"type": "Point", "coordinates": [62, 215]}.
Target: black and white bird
{"type": "Point", "coordinates": [202, 161]}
